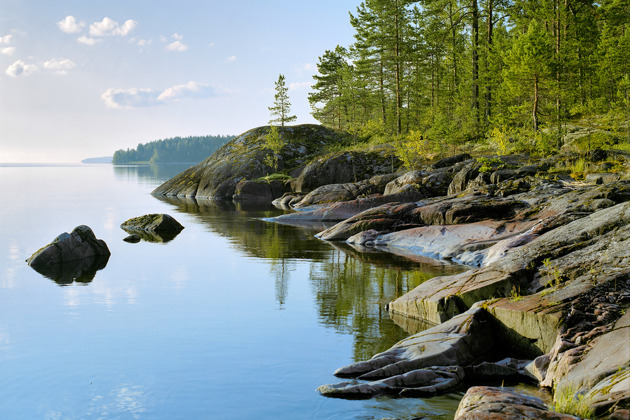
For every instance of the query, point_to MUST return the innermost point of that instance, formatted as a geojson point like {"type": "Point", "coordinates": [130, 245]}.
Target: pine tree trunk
{"type": "Point", "coordinates": [490, 26]}
{"type": "Point", "coordinates": [382, 90]}
{"type": "Point", "coordinates": [475, 60]}
{"type": "Point", "coordinates": [535, 110]}
{"type": "Point", "coordinates": [397, 58]}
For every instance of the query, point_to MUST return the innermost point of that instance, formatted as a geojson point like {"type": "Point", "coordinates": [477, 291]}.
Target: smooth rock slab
{"type": "Point", "coordinates": [425, 364]}
{"type": "Point", "coordinates": [424, 382]}
{"type": "Point", "coordinates": [485, 403]}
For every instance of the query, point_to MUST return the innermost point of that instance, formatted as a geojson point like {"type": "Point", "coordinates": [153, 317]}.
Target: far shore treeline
{"type": "Point", "coordinates": [192, 149]}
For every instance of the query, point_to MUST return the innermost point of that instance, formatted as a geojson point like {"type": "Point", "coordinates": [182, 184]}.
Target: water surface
{"type": "Point", "coordinates": [235, 318]}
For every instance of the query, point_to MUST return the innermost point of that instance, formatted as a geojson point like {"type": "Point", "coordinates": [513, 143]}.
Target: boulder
{"type": "Point", "coordinates": [345, 167]}
{"type": "Point", "coordinates": [461, 178]}
{"type": "Point", "coordinates": [259, 190]}
{"type": "Point", "coordinates": [490, 403]}
{"type": "Point", "coordinates": [332, 193]}
{"type": "Point", "coordinates": [429, 184]}
{"type": "Point", "coordinates": [153, 227]}
{"type": "Point", "coordinates": [71, 256]}
{"type": "Point", "coordinates": [451, 160]}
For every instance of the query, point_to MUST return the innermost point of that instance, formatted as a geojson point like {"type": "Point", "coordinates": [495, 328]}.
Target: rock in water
{"type": "Point", "coordinates": [69, 250]}
{"type": "Point", "coordinates": [153, 227]}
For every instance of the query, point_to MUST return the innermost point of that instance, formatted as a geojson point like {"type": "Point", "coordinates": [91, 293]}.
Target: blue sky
{"type": "Point", "coordinates": [83, 78]}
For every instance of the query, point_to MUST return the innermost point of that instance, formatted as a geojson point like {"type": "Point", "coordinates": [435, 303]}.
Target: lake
{"type": "Point", "coordinates": [235, 318]}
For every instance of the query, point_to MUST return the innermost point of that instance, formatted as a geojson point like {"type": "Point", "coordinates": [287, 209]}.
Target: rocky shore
{"type": "Point", "coordinates": [547, 295]}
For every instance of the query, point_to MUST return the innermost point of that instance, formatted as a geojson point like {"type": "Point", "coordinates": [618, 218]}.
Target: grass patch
{"type": "Point", "coordinates": [274, 177]}
{"type": "Point", "coordinates": [568, 401]}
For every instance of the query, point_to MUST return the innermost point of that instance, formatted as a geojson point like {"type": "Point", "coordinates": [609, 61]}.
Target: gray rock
{"type": "Point", "coordinates": [244, 158]}
{"type": "Point", "coordinates": [489, 403]}
{"type": "Point", "coordinates": [451, 160]}
{"type": "Point", "coordinates": [425, 364]}
{"type": "Point", "coordinates": [337, 192]}
{"type": "Point", "coordinates": [153, 227]}
{"type": "Point", "coordinates": [71, 255]}
{"type": "Point", "coordinates": [258, 190]}
{"type": "Point", "coordinates": [159, 223]}
{"type": "Point", "coordinates": [344, 167]}
{"type": "Point", "coordinates": [461, 178]}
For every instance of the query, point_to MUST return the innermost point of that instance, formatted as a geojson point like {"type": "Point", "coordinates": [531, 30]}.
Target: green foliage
{"type": "Point", "coordinates": [192, 149]}
{"type": "Point", "coordinates": [281, 108]}
{"type": "Point", "coordinates": [500, 138]}
{"type": "Point", "coordinates": [511, 72]}
{"type": "Point", "coordinates": [411, 149]}
{"type": "Point", "coordinates": [273, 142]}
{"type": "Point", "coordinates": [490, 164]}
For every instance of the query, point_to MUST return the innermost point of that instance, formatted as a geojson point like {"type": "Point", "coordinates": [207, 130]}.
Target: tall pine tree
{"type": "Point", "coordinates": [281, 108]}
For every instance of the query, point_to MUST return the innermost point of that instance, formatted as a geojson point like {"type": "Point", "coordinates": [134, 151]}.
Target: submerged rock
{"type": "Point", "coordinates": [74, 256]}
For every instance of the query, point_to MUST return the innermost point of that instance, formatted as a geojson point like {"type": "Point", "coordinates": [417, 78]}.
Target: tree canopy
{"type": "Point", "coordinates": [458, 70]}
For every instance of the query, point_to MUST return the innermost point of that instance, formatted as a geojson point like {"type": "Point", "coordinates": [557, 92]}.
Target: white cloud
{"type": "Point", "coordinates": [141, 98]}
{"type": "Point", "coordinates": [109, 27]}
{"type": "Point", "coordinates": [87, 40]}
{"type": "Point", "coordinates": [189, 90]}
{"type": "Point", "coordinates": [309, 66]}
{"type": "Point", "coordinates": [144, 42]}
{"type": "Point", "coordinates": [7, 51]}
{"type": "Point", "coordinates": [6, 40]}
{"type": "Point", "coordinates": [176, 46]}
{"type": "Point", "coordinates": [70, 25]}
{"type": "Point", "coordinates": [211, 44]}
{"type": "Point", "coordinates": [231, 59]}
{"type": "Point", "coordinates": [20, 68]}
{"type": "Point", "coordinates": [60, 67]}
{"type": "Point", "coordinates": [300, 85]}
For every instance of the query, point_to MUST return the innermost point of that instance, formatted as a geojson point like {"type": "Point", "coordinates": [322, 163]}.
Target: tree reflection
{"type": "Point", "coordinates": [351, 291]}
{"type": "Point", "coordinates": [351, 286]}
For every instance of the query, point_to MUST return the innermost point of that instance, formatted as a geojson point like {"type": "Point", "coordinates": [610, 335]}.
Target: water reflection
{"type": "Point", "coordinates": [149, 174]}
{"type": "Point", "coordinates": [79, 271]}
{"type": "Point", "coordinates": [153, 237]}
{"type": "Point", "coordinates": [351, 287]}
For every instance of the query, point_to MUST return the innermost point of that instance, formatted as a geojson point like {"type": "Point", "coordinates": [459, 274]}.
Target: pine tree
{"type": "Point", "coordinates": [281, 108]}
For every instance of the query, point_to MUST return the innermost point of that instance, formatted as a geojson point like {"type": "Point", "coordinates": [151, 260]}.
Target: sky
{"type": "Point", "coordinates": [83, 79]}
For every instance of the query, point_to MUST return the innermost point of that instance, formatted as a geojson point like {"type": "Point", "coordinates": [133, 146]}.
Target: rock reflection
{"type": "Point", "coordinates": [154, 237]}
{"type": "Point", "coordinates": [79, 271]}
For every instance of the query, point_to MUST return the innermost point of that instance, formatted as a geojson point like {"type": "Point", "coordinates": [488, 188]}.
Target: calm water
{"type": "Point", "coordinates": [236, 318]}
